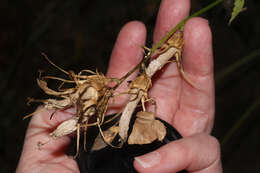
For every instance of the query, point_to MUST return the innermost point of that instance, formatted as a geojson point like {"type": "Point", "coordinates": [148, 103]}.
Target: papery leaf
{"type": "Point", "coordinates": [109, 136]}
{"type": "Point", "coordinates": [238, 7]}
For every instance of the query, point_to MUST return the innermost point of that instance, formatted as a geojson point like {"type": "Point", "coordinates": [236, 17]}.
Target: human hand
{"type": "Point", "coordinates": [188, 109]}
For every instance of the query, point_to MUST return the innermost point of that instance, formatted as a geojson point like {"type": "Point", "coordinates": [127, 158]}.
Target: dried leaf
{"type": "Point", "coordinates": [146, 129]}
{"type": "Point", "coordinates": [89, 94]}
{"type": "Point", "coordinates": [56, 104]}
{"type": "Point", "coordinates": [142, 82]}
{"type": "Point", "coordinates": [43, 85]}
{"type": "Point", "coordinates": [109, 136]}
{"type": "Point", "coordinates": [98, 144]}
{"type": "Point", "coordinates": [50, 104]}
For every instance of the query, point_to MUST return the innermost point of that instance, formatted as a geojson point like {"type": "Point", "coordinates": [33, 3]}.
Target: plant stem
{"type": "Point", "coordinates": [122, 79]}
{"type": "Point", "coordinates": [181, 24]}
{"type": "Point", "coordinates": [165, 38]}
{"type": "Point", "coordinates": [137, 94]}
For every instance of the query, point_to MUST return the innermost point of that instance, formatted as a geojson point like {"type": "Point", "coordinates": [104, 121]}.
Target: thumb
{"type": "Point", "coordinates": [199, 153]}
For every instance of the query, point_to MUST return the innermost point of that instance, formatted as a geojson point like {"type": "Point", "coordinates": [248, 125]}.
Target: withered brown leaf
{"type": "Point", "coordinates": [89, 94]}
{"type": "Point", "coordinates": [109, 136]}
{"type": "Point", "coordinates": [142, 82]}
{"type": "Point", "coordinates": [43, 85]}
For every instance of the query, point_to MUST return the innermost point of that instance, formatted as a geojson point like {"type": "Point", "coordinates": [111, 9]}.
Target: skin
{"type": "Point", "coordinates": [189, 109]}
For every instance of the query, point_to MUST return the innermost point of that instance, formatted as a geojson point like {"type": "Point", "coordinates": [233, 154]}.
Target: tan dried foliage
{"type": "Point", "coordinates": [109, 136]}
{"type": "Point", "coordinates": [141, 83]}
{"type": "Point", "coordinates": [98, 143]}
{"type": "Point", "coordinates": [175, 41]}
{"type": "Point", "coordinates": [146, 129]}
{"type": "Point", "coordinates": [87, 91]}
{"type": "Point", "coordinates": [90, 93]}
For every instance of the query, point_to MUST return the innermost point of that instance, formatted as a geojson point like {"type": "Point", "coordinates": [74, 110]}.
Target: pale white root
{"type": "Point", "coordinates": [127, 113]}
{"type": "Point", "coordinates": [65, 128]}
{"type": "Point", "coordinates": [153, 67]}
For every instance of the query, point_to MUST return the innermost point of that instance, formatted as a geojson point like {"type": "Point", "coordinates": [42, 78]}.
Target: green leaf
{"type": "Point", "coordinates": [238, 7]}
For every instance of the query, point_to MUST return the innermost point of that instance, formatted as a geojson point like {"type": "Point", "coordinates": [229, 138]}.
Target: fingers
{"type": "Point", "coordinates": [38, 133]}
{"type": "Point", "coordinates": [171, 12]}
{"type": "Point", "coordinates": [196, 106]}
{"type": "Point", "coordinates": [127, 53]}
{"type": "Point", "coordinates": [167, 88]}
{"type": "Point", "coordinates": [199, 153]}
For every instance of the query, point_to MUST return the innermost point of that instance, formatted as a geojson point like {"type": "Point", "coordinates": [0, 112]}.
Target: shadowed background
{"type": "Point", "coordinates": [80, 34]}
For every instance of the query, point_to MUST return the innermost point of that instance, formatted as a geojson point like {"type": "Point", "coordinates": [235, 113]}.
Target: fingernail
{"type": "Point", "coordinates": [149, 160]}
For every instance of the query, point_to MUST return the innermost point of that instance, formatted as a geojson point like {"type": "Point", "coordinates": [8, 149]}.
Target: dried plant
{"type": "Point", "coordinates": [91, 91]}
{"type": "Point", "coordinates": [146, 129]}
{"type": "Point", "coordinates": [172, 48]}
{"type": "Point", "coordinates": [89, 95]}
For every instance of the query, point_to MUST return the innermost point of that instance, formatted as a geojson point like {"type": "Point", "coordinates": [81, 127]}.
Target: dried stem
{"type": "Point", "coordinates": [121, 80]}
{"type": "Point", "coordinates": [154, 66]}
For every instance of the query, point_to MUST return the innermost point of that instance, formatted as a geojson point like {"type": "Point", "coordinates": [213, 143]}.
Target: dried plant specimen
{"type": "Point", "coordinates": [146, 129]}
{"type": "Point", "coordinates": [141, 83]}
{"type": "Point", "coordinates": [90, 92]}
{"type": "Point", "coordinates": [89, 95]}
{"type": "Point", "coordinates": [110, 134]}
{"type": "Point", "coordinates": [177, 42]}
{"type": "Point", "coordinates": [98, 143]}
{"type": "Point", "coordinates": [171, 49]}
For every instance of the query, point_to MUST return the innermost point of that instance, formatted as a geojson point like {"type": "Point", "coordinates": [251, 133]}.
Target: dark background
{"type": "Point", "coordinates": [80, 34]}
